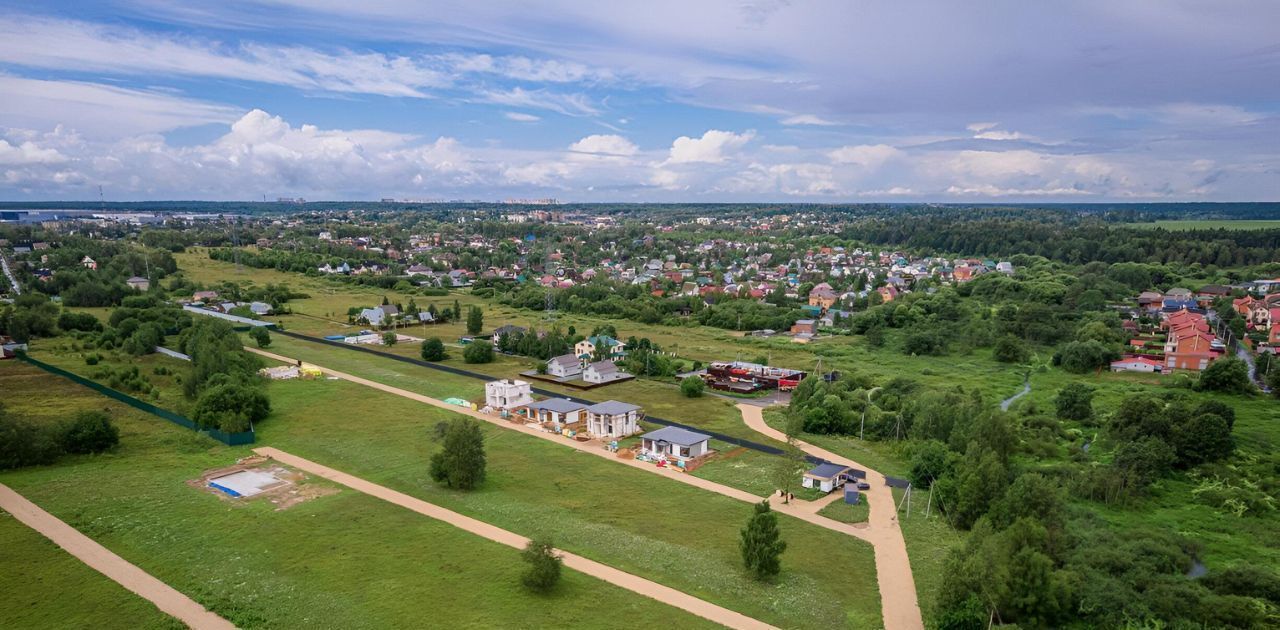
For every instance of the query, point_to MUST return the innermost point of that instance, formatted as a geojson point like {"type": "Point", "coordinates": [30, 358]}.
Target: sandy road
{"type": "Point", "coordinates": [634, 583]}
{"type": "Point", "coordinates": [898, 600]}
{"type": "Point", "coordinates": [165, 597]}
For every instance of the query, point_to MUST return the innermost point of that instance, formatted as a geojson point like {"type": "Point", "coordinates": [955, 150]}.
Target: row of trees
{"type": "Point", "coordinates": [223, 379]}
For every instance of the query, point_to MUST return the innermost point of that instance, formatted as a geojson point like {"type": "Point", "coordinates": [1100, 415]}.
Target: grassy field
{"type": "Point", "coordinates": [671, 533]}
{"type": "Point", "coordinates": [929, 542]}
{"type": "Point", "coordinates": [43, 586]}
{"type": "Point", "coordinates": [1210, 224]}
{"type": "Point", "coordinates": [1228, 540]}
{"type": "Point", "coordinates": [345, 560]}
{"type": "Point", "coordinates": [846, 513]}
{"type": "Point", "coordinates": [658, 398]}
{"type": "Point", "coordinates": [748, 470]}
{"type": "Point", "coordinates": [678, 535]}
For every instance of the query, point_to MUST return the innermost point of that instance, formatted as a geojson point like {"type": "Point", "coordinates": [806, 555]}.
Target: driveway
{"type": "Point", "coordinates": [898, 600]}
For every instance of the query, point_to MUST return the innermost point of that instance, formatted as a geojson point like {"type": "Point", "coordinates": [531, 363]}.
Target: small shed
{"type": "Point", "coordinates": [852, 495]}
{"type": "Point", "coordinates": [825, 476]}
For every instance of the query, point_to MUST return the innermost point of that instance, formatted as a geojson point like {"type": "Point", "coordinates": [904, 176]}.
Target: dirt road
{"type": "Point", "coordinates": [634, 583]}
{"type": "Point", "coordinates": [898, 600]}
{"type": "Point", "coordinates": [165, 597]}
{"type": "Point", "coordinates": [893, 619]}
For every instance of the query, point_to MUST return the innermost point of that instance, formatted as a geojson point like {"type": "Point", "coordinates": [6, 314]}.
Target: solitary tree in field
{"type": "Point", "coordinates": [460, 462]}
{"type": "Point", "coordinates": [260, 336]}
{"type": "Point", "coordinates": [1075, 402]}
{"type": "Point", "coordinates": [478, 352]}
{"type": "Point", "coordinates": [475, 321]}
{"type": "Point", "coordinates": [761, 545]}
{"type": "Point", "coordinates": [544, 565]}
{"type": "Point", "coordinates": [389, 338]}
{"type": "Point", "coordinates": [433, 349]}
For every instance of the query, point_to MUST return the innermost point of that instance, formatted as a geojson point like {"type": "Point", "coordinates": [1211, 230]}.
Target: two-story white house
{"type": "Point", "coordinates": [603, 372]}
{"type": "Point", "coordinates": [507, 394]}
{"type": "Point", "coordinates": [564, 366]}
{"type": "Point", "coordinates": [613, 419]}
{"type": "Point", "coordinates": [609, 348]}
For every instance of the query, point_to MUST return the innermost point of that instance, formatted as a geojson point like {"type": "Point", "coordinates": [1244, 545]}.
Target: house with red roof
{"type": "Point", "coordinates": [1136, 364]}
{"type": "Point", "coordinates": [823, 296]}
{"type": "Point", "coordinates": [1255, 312]}
{"type": "Point", "coordinates": [1193, 352]}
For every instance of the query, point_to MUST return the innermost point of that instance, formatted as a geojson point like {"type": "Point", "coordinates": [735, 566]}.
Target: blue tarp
{"type": "Point", "coordinates": [224, 489]}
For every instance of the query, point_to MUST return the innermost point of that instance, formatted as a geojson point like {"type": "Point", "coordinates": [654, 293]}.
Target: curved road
{"type": "Point", "coordinates": [898, 602]}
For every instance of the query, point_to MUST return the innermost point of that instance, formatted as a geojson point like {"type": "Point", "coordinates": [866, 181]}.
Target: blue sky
{"type": "Point", "coordinates": [1084, 100]}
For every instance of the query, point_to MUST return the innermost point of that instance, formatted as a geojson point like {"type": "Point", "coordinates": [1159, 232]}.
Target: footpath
{"type": "Point", "coordinates": [102, 560]}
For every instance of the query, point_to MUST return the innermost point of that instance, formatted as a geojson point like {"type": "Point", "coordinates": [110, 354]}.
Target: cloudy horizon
{"type": "Point", "coordinates": [699, 102]}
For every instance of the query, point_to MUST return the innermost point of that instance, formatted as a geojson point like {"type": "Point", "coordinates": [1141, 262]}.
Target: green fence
{"type": "Point", "coordinates": [230, 439]}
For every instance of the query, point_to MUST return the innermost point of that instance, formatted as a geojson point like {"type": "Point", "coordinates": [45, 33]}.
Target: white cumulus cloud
{"type": "Point", "coordinates": [711, 147]}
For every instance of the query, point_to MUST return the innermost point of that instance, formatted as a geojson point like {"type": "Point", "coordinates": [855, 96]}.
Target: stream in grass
{"type": "Point", "coordinates": [1026, 389]}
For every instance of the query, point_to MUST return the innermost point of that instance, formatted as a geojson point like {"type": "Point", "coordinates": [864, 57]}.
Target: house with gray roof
{"type": "Point", "coordinates": [564, 366]}
{"type": "Point", "coordinates": [613, 419]}
{"type": "Point", "coordinates": [825, 476]}
{"type": "Point", "coordinates": [601, 372]}
{"type": "Point", "coordinates": [372, 316]}
{"type": "Point", "coordinates": [559, 412]}
{"type": "Point", "coordinates": [675, 443]}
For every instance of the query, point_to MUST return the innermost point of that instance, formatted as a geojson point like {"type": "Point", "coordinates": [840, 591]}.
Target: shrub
{"type": "Point", "coordinates": [260, 336]}
{"type": "Point", "coordinates": [544, 565]}
{"type": "Point", "coordinates": [1228, 374]}
{"type": "Point", "coordinates": [478, 352]}
{"type": "Point", "coordinates": [924, 342]}
{"type": "Point", "coordinates": [92, 359]}
{"type": "Point", "coordinates": [23, 443]}
{"type": "Point", "coordinates": [1079, 357]}
{"type": "Point", "coordinates": [70, 321]}
{"type": "Point", "coordinates": [433, 350]}
{"type": "Point", "coordinates": [90, 432]}
{"type": "Point", "coordinates": [692, 386]}
{"type": "Point", "coordinates": [460, 463]}
{"type": "Point", "coordinates": [1075, 402]}
{"type": "Point", "coordinates": [1010, 349]}
{"type": "Point", "coordinates": [231, 406]}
